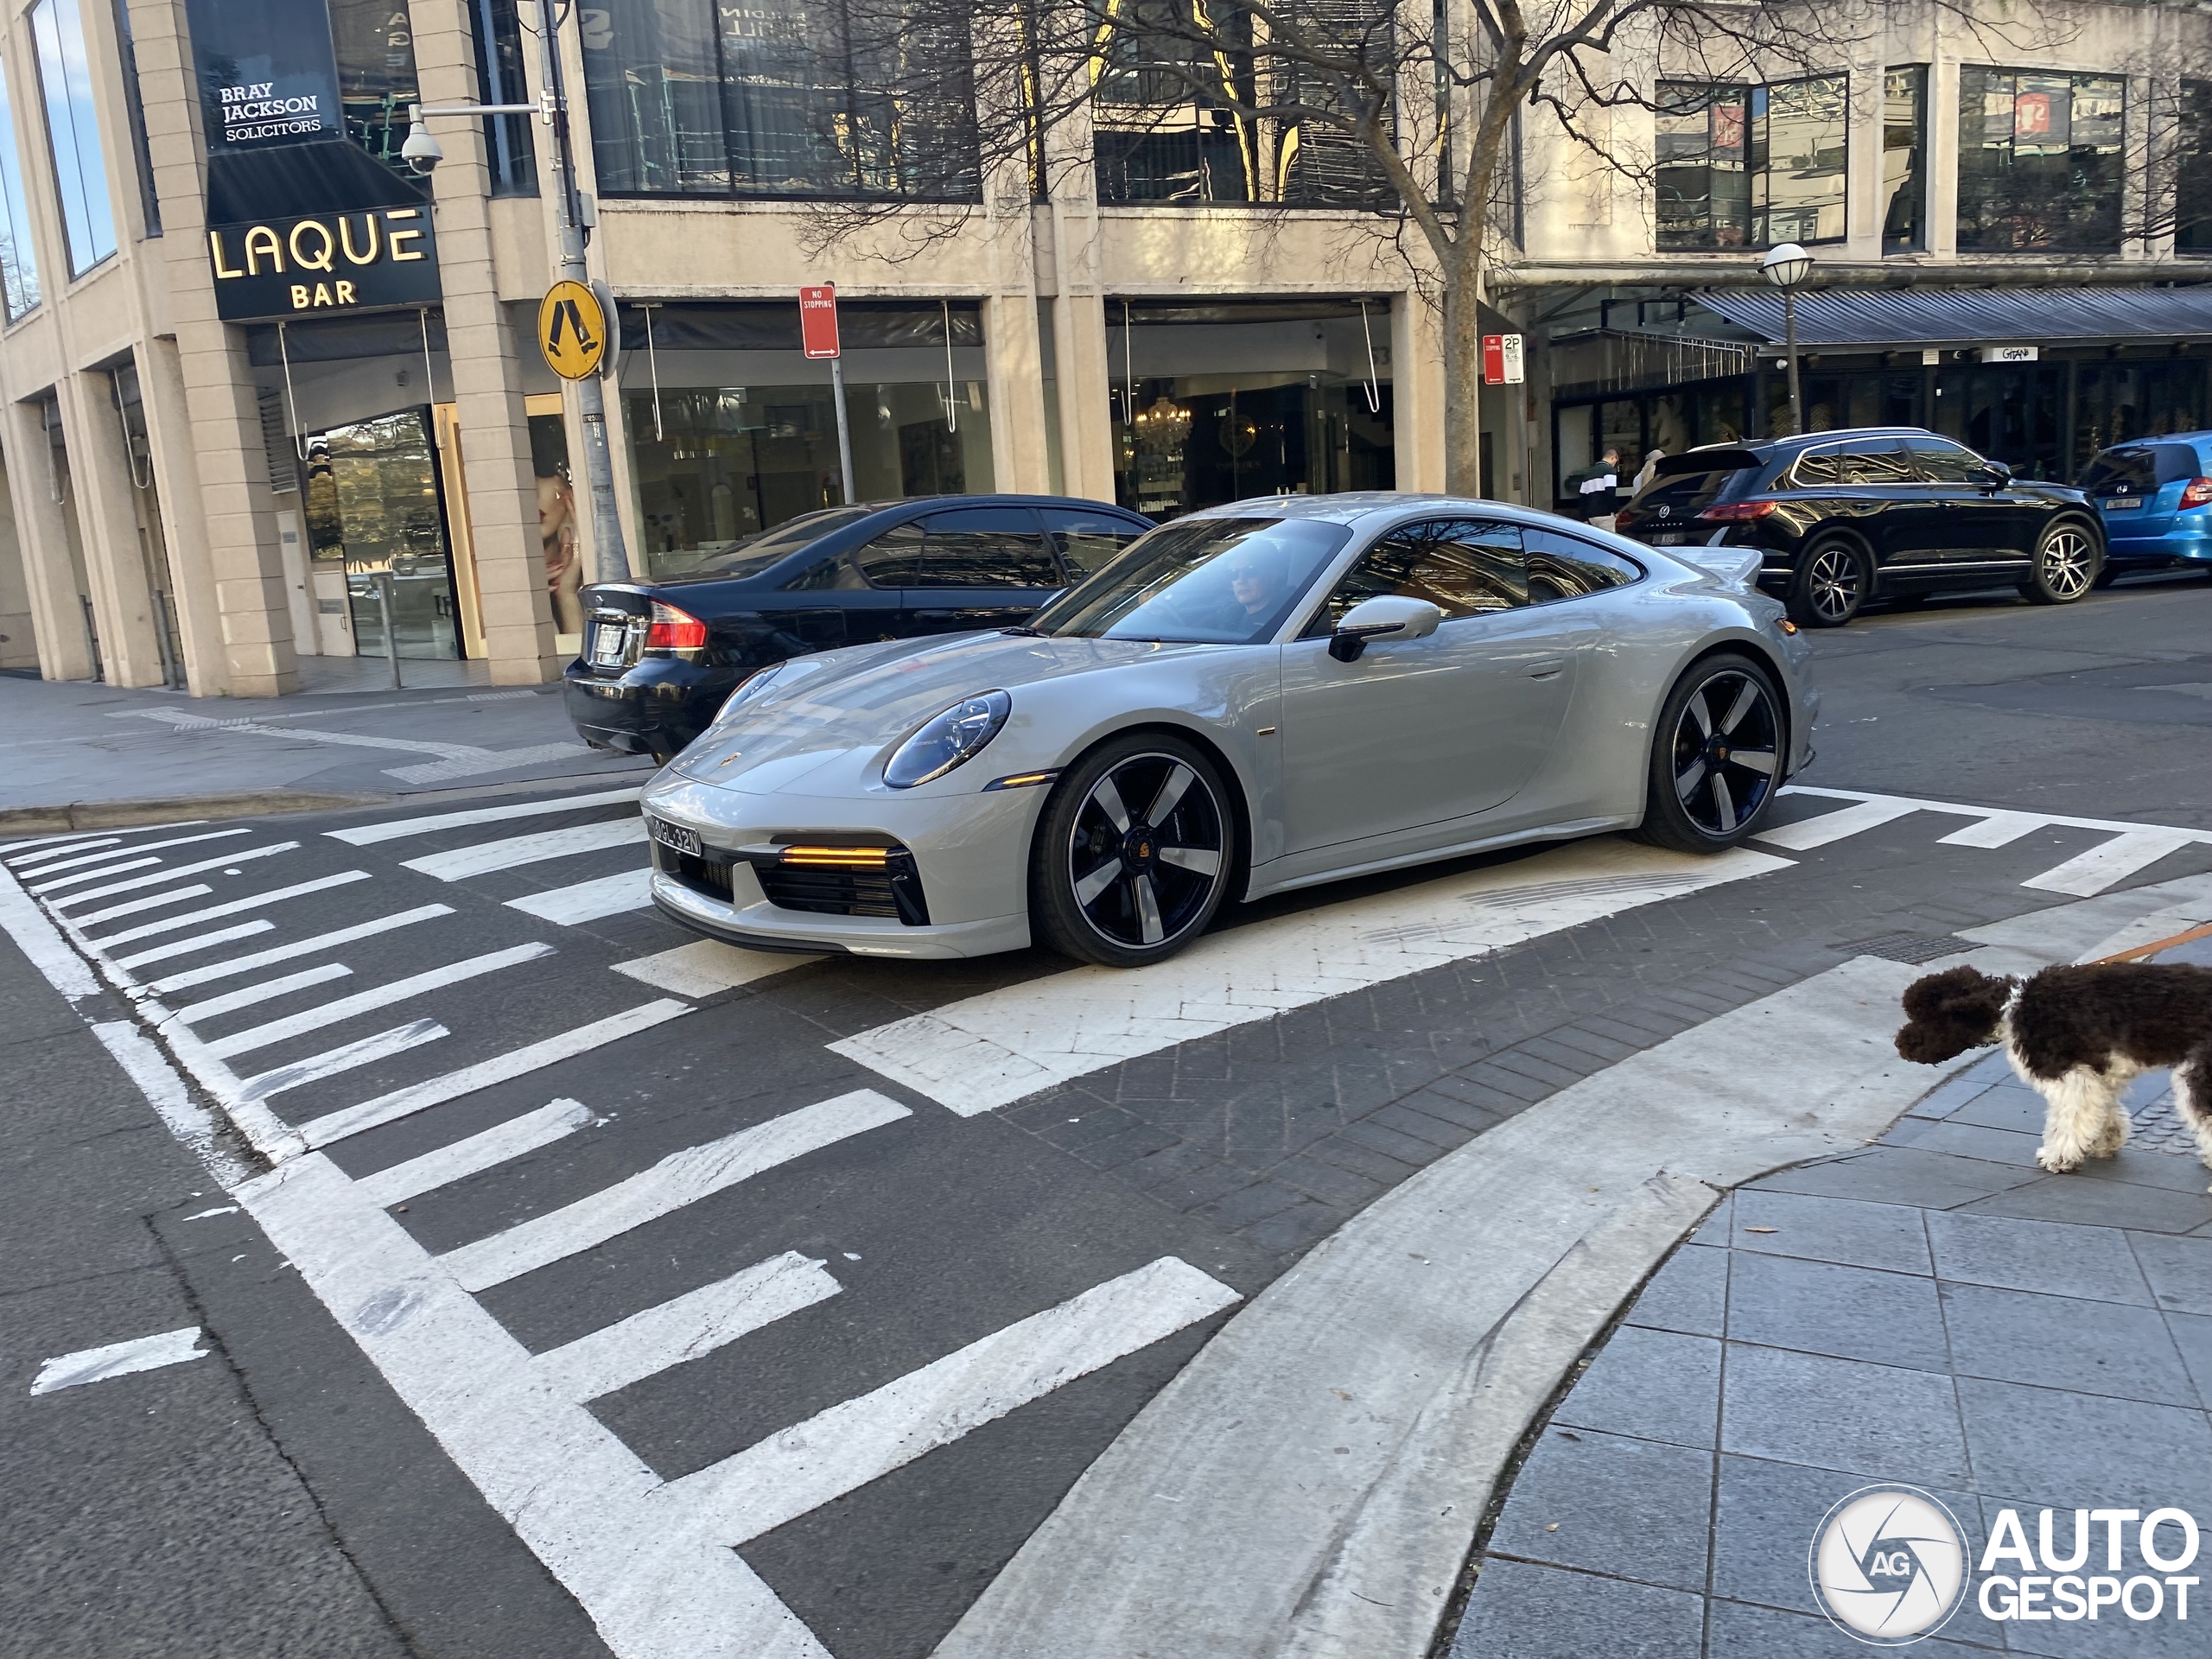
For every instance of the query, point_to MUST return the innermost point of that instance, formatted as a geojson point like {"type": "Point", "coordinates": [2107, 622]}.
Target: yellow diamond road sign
{"type": "Point", "coordinates": [572, 330]}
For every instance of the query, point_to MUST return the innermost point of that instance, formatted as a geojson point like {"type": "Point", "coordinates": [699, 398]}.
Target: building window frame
{"type": "Point", "coordinates": [1904, 205]}
{"type": "Point", "coordinates": [1734, 199]}
{"type": "Point", "coordinates": [74, 148]}
{"type": "Point", "coordinates": [2192, 171]}
{"type": "Point", "coordinates": [19, 290]}
{"type": "Point", "coordinates": [510, 147]}
{"type": "Point", "coordinates": [1981, 211]}
{"type": "Point", "coordinates": [1760, 160]}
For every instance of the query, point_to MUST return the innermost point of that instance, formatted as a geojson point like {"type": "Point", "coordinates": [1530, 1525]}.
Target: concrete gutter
{"type": "Point", "coordinates": [123, 814]}
{"type": "Point", "coordinates": [1309, 1486]}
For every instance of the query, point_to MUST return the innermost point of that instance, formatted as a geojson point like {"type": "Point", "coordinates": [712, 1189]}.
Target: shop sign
{"type": "Point", "coordinates": [1504, 363]}
{"type": "Point", "coordinates": [2009, 353]}
{"type": "Point", "coordinates": [318, 263]}
{"type": "Point", "coordinates": [268, 72]}
{"type": "Point", "coordinates": [573, 331]}
{"type": "Point", "coordinates": [817, 320]}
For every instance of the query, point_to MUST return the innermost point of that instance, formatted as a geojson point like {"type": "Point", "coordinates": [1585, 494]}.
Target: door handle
{"type": "Point", "coordinates": [1548, 669]}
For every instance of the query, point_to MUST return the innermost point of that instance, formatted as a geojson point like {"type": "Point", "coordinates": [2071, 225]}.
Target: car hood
{"type": "Point", "coordinates": [863, 700]}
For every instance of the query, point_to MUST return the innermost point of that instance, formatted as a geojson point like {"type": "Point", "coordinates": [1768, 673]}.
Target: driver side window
{"type": "Point", "coordinates": [1464, 566]}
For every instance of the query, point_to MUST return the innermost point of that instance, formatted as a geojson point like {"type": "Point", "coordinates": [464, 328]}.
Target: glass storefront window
{"type": "Point", "coordinates": [2039, 161]}
{"type": "Point", "coordinates": [2193, 170]}
{"type": "Point", "coordinates": [1904, 159]}
{"type": "Point", "coordinates": [691, 97]}
{"type": "Point", "coordinates": [375, 44]}
{"type": "Point", "coordinates": [18, 262]}
{"type": "Point", "coordinates": [729, 463]}
{"type": "Point", "coordinates": [1704, 191]}
{"type": "Point", "coordinates": [374, 504]}
{"type": "Point", "coordinates": [1797, 160]}
{"type": "Point", "coordinates": [72, 133]}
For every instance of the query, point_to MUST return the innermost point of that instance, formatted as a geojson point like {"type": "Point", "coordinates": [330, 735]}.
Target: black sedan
{"type": "Point", "coordinates": [659, 658]}
{"type": "Point", "coordinates": [1878, 512]}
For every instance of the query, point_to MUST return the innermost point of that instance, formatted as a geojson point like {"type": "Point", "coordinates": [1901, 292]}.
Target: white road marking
{"type": "Point", "coordinates": [41, 942]}
{"type": "Point", "coordinates": [219, 1209]}
{"type": "Point", "coordinates": [584, 1503]}
{"type": "Point", "coordinates": [2089, 873]}
{"type": "Point", "coordinates": [135, 846]}
{"type": "Point", "coordinates": [381, 997]}
{"type": "Point", "coordinates": [708, 966]}
{"type": "Point", "coordinates": [486, 1150]}
{"type": "Point", "coordinates": [138, 882]}
{"type": "Point", "coordinates": [304, 948]}
{"type": "Point", "coordinates": [686, 1328]}
{"type": "Point", "coordinates": [197, 942]}
{"type": "Point", "coordinates": [139, 907]}
{"type": "Point", "coordinates": [488, 856]}
{"type": "Point", "coordinates": [188, 1119]}
{"type": "Point", "coordinates": [1809, 833]}
{"type": "Point", "coordinates": [483, 761]}
{"type": "Point", "coordinates": [100, 874]}
{"type": "Point", "coordinates": [119, 1359]}
{"type": "Point", "coordinates": [398, 828]}
{"type": "Point", "coordinates": [680, 1178]}
{"type": "Point", "coordinates": [268, 990]}
{"type": "Point", "coordinates": [70, 844]}
{"type": "Point", "coordinates": [321, 884]}
{"type": "Point", "coordinates": [1998, 829]}
{"type": "Point", "coordinates": [455, 760]}
{"type": "Point", "coordinates": [589, 901]}
{"type": "Point", "coordinates": [333, 1061]}
{"type": "Point", "coordinates": [841, 1449]}
{"type": "Point", "coordinates": [989, 1051]}
{"type": "Point", "coordinates": [500, 1068]}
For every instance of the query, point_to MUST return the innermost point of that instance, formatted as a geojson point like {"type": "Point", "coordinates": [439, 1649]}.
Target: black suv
{"type": "Point", "coordinates": [660, 658]}
{"type": "Point", "coordinates": [1875, 512]}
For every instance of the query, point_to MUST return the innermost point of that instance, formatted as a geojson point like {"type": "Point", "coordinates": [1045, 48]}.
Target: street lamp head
{"type": "Point", "coordinates": [1787, 265]}
{"type": "Point", "coordinates": [421, 151]}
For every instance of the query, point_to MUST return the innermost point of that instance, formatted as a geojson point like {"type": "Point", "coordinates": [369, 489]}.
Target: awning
{"type": "Point", "coordinates": [1885, 318]}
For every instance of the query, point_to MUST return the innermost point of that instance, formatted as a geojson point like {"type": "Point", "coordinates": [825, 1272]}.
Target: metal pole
{"type": "Point", "coordinates": [844, 431]}
{"type": "Point", "coordinates": [1789, 346]}
{"type": "Point", "coordinates": [611, 553]}
{"type": "Point", "coordinates": [170, 677]}
{"type": "Point", "coordinates": [382, 581]}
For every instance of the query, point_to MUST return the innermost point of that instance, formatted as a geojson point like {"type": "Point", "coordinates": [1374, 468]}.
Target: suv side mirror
{"type": "Point", "coordinates": [1993, 474]}
{"type": "Point", "coordinates": [1387, 616]}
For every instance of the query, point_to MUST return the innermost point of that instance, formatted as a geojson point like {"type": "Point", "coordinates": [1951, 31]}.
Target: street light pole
{"type": "Point", "coordinates": [1786, 266]}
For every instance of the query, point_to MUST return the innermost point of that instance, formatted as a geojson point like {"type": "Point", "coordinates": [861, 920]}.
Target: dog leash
{"type": "Point", "coordinates": [2152, 950]}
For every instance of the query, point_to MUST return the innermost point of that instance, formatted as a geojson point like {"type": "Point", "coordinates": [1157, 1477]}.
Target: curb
{"type": "Point", "coordinates": [122, 814]}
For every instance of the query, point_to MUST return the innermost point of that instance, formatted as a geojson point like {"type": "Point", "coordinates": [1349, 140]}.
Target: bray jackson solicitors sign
{"type": "Point", "coordinates": [288, 267]}
{"type": "Point", "coordinates": [301, 221]}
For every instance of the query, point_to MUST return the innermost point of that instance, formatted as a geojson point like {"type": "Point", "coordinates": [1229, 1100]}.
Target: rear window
{"type": "Point", "coordinates": [2139, 467]}
{"type": "Point", "coordinates": [1695, 480]}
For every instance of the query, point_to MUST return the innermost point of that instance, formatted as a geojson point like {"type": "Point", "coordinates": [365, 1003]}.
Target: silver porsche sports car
{"type": "Point", "coordinates": [1255, 698]}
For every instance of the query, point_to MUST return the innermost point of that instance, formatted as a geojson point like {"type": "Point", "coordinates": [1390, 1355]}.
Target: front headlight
{"type": "Point", "coordinates": [947, 739]}
{"type": "Point", "coordinates": [750, 691]}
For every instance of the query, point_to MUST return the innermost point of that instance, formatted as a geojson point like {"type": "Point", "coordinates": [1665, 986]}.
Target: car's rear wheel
{"type": "Point", "coordinates": [1134, 854]}
{"type": "Point", "coordinates": [1717, 758]}
{"type": "Point", "coordinates": [1832, 579]}
{"type": "Point", "coordinates": [2065, 565]}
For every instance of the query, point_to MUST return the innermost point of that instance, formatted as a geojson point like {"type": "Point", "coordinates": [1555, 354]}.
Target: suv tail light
{"type": "Point", "coordinates": [2197, 492]}
{"type": "Point", "coordinates": [675, 630]}
{"type": "Point", "coordinates": [1738, 513]}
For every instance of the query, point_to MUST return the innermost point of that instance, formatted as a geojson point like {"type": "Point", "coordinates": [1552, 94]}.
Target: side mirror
{"type": "Point", "coordinates": [1994, 475]}
{"type": "Point", "coordinates": [1387, 617]}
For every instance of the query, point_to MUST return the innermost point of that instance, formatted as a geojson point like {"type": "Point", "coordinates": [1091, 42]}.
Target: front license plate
{"type": "Point", "coordinates": [675, 836]}
{"type": "Point", "coordinates": [607, 641]}
{"type": "Point", "coordinates": [2125, 503]}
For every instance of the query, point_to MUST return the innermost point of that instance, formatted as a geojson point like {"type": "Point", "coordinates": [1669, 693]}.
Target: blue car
{"type": "Point", "coordinates": [2156, 496]}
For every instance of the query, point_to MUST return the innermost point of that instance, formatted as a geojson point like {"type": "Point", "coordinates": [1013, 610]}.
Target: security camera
{"type": "Point", "coordinates": [421, 151]}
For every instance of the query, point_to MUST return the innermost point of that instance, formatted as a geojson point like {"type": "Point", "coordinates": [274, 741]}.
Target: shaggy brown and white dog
{"type": "Point", "coordinates": [2076, 1035]}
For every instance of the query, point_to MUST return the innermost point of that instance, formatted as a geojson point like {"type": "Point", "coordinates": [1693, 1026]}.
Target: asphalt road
{"type": "Point", "coordinates": [872, 1330]}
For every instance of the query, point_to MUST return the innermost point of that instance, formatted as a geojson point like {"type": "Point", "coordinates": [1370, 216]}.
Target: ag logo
{"type": "Point", "coordinates": [1889, 1566]}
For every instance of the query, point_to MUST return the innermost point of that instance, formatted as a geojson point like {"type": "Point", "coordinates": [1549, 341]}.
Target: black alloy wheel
{"type": "Point", "coordinates": [1133, 855]}
{"type": "Point", "coordinates": [2066, 565]}
{"type": "Point", "coordinates": [1718, 757]}
{"type": "Point", "coordinates": [1832, 579]}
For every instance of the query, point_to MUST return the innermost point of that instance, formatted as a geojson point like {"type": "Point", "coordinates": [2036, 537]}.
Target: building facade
{"type": "Point", "coordinates": [267, 394]}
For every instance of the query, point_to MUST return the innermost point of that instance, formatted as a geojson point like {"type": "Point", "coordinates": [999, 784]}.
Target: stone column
{"type": "Point", "coordinates": [115, 560]}
{"type": "Point", "coordinates": [57, 615]}
{"type": "Point", "coordinates": [518, 614]}
{"type": "Point", "coordinates": [169, 435]}
{"type": "Point", "coordinates": [1085, 373]}
{"type": "Point", "coordinates": [1418, 391]}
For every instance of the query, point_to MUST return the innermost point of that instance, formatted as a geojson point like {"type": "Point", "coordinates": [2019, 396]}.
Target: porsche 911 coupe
{"type": "Point", "coordinates": [1254, 698]}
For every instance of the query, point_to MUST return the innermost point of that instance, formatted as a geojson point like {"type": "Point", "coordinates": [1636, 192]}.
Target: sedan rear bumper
{"type": "Point", "coordinates": [648, 710]}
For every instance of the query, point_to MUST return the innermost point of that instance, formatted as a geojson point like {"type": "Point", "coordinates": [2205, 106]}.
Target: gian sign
{"type": "Point", "coordinates": [301, 221]}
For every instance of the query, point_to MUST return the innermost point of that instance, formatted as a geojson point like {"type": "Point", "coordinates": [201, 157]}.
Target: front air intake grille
{"type": "Point", "coordinates": [706, 874]}
{"type": "Point", "coordinates": [828, 885]}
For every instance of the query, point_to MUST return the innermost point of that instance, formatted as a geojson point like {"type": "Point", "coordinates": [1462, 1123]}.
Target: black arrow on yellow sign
{"type": "Point", "coordinates": [573, 330]}
{"type": "Point", "coordinates": [566, 314]}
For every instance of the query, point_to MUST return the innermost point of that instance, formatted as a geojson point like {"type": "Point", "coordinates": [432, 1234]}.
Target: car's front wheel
{"type": "Point", "coordinates": [1134, 854]}
{"type": "Point", "coordinates": [1717, 758]}
{"type": "Point", "coordinates": [1834, 579]}
{"type": "Point", "coordinates": [2066, 565]}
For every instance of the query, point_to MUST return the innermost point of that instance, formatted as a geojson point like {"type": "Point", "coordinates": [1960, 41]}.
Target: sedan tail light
{"type": "Point", "coordinates": [675, 630]}
{"type": "Point", "coordinates": [1738, 513]}
{"type": "Point", "coordinates": [2197, 492]}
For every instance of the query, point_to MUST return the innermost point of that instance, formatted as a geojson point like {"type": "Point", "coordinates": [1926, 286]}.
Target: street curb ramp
{"type": "Point", "coordinates": [1309, 1486]}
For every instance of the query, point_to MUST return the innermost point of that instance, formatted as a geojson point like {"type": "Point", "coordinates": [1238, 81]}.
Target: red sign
{"type": "Point", "coordinates": [817, 320]}
{"type": "Point", "coordinates": [1504, 360]}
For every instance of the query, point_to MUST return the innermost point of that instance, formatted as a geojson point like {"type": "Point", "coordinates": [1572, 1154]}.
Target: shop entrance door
{"type": "Point", "coordinates": [375, 501]}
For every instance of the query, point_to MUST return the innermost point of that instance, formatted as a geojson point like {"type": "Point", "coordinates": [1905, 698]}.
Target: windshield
{"type": "Point", "coordinates": [756, 553]}
{"type": "Point", "coordinates": [1215, 582]}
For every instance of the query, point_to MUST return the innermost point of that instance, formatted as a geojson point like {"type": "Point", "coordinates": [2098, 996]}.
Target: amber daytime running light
{"type": "Point", "coordinates": [838, 858]}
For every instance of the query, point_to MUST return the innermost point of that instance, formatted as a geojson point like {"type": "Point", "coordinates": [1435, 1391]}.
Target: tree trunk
{"type": "Point", "coordinates": [1463, 367]}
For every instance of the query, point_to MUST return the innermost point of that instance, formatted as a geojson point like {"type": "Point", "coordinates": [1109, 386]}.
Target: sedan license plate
{"type": "Point", "coordinates": [607, 639]}
{"type": "Point", "coordinates": [2125, 503]}
{"type": "Point", "coordinates": [675, 836]}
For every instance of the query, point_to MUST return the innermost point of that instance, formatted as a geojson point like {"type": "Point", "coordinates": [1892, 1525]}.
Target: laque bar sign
{"type": "Point", "coordinates": [301, 221]}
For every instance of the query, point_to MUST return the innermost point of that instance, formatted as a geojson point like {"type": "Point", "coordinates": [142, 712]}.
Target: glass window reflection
{"type": "Point", "coordinates": [2039, 160]}
{"type": "Point", "coordinates": [72, 133]}
{"type": "Point", "coordinates": [18, 263]}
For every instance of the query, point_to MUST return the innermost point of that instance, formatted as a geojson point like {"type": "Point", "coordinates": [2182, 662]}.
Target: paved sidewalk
{"type": "Point", "coordinates": [1934, 1311]}
{"type": "Point", "coordinates": [78, 741]}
